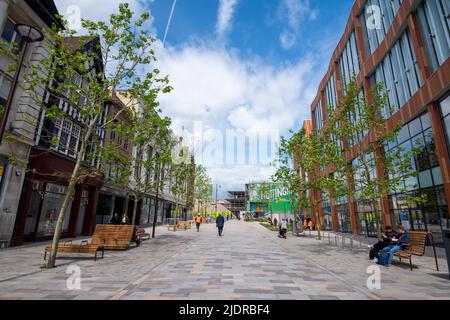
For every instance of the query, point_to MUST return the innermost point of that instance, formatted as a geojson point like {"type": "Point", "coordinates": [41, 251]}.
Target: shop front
{"type": "Point", "coordinates": [42, 199]}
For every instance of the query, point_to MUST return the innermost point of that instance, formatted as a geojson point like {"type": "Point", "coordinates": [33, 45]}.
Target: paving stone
{"type": "Point", "coordinates": [249, 262]}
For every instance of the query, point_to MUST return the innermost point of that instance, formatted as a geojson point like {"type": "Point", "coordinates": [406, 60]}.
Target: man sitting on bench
{"type": "Point", "coordinates": [388, 235]}
{"type": "Point", "coordinates": [397, 244]}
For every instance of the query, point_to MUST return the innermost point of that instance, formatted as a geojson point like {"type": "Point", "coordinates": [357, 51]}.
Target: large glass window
{"type": "Point", "coordinates": [434, 18]}
{"type": "Point", "coordinates": [68, 134]}
{"type": "Point", "coordinates": [376, 29]}
{"type": "Point", "coordinates": [399, 73]}
{"type": "Point", "coordinates": [10, 35]}
{"type": "Point", "coordinates": [326, 206]}
{"type": "Point", "coordinates": [51, 204]}
{"type": "Point", "coordinates": [5, 87]}
{"type": "Point", "coordinates": [432, 215]}
{"type": "Point", "coordinates": [318, 117]}
{"type": "Point", "coordinates": [343, 214]}
{"type": "Point", "coordinates": [330, 95]}
{"type": "Point", "coordinates": [349, 64]}
{"type": "Point", "coordinates": [445, 111]}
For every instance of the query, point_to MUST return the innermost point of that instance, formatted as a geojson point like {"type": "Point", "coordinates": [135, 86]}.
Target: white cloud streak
{"type": "Point", "coordinates": [295, 12]}
{"type": "Point", "coordinates": [225, 16]}
{"type": "Point", "coordinates": [170, 20]}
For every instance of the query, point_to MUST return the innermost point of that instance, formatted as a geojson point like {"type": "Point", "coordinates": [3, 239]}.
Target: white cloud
{"type": "Point", "coordinates": [98, 10]}
{"type": "Point", "coordinates": [226, 91]}
{"type": "Point", "coordinates": [225, 16]}
{"type": "Point", "coordinates": [295, 12]}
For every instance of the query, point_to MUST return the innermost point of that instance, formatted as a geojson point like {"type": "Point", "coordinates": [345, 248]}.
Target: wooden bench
{"type": "Point", "coordinates": [142, 234]}
{"type": "Point", "coordinates": [115, 237]}
{"type": "Point", "coordinates": [300, 231]}
{"type": "Point", "coordinates": [416, 247]}
{"type": "Point", "coordinates": [184, 224]}
{"type": "Point", "coordinates": [84, 247]}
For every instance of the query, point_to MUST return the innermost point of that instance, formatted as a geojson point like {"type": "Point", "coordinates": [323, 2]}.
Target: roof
{"type": "Point", "coordinates": [46, 10]}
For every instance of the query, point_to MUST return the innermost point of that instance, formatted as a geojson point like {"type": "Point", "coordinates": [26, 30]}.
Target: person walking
{"type": "Point", "coordinates": [198, 221]}
{"type": "Point", "coordinates": [283, 228]}
{"type": "Point", "coordinates": [220, 221]}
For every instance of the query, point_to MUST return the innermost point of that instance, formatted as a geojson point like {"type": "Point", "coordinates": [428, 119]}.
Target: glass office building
{"type": "Point", "coordinates": [407, 50]}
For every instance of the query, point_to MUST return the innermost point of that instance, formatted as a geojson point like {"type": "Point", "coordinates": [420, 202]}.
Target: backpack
{"type": "Point", "coordinates": [383, 257]}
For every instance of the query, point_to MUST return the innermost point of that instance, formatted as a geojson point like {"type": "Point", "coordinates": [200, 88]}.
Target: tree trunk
{"type": "Point", "coordinates": [155, 217]}
{"type": "Point", "coordinates": [294, 226]}
{"type": "Point", "coordinates": [70, 190]}
{"type": "Point", "coordinates": [377, 218]}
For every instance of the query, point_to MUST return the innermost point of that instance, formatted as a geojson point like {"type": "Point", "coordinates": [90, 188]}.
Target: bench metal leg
{"type": "Point", "coordinates": [45, 255]}
{"type": "Point", "coordinates": [410, 263]}
{"type": "Point", "coordinates": [95, 257]}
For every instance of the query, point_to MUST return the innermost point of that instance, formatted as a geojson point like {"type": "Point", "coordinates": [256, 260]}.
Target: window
{"type": "Point", "coordinates": [318, 117]}
{"type": "Point", "coordinates": [138, 161]}
{"type": "Point", "coordinates": [434, 18]}
{"type": "Point", "coordinates": [399, 73]}
{"type": "Point", "coordinates": [330, 95]}
{"type": "Point", "coordinates": [349, 62]}
{"type": "Point", "coordinates": [418, 133]}
{"type": "Point", "coordinates": [445, 111]}
{"type": "Point", "coordinates": [375, 31]}
{"type": "Point", "coordinates": [69, 134]}
{"type": "Point", "coordinates": [10, 35]}
{"type": "Point", "coordinates": [5, 87]}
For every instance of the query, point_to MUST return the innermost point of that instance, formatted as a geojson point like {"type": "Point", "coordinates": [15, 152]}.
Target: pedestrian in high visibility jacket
{"type": "Point", "coordinates": [198, 221]}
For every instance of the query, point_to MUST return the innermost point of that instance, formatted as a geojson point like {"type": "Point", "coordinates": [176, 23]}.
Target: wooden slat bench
{"type": "Point", "coordinates": [114, 237]}
{"type": "Point", "coordinates": [416, 247]}
{"type": "Point", "coordinates": [142, 234]}
{"type": "Point", "coordinates": [84, 247]}
{"type": "Point", "coordinates": [184, 225]}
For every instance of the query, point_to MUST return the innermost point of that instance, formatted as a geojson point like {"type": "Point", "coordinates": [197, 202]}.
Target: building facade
{"type": "Point", "coordinates": [51, 162]}
{"type": "Point", "coordinates": [404, 44]}
{"type": "Point", "coordinates": [19, 129]}
{"type": "Point", "coordinates": [236, 202]}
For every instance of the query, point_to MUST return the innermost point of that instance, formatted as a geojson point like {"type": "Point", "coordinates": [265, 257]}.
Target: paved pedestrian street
{"type": "Point", "coordinates": [247, 262]}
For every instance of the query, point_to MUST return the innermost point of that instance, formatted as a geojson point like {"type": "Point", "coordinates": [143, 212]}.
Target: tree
{"type": "Point", "coordinates": [180, 172]}
{"type": "Point", "coordinates": [153, 145]}
{"type": "Point", "coordinates": [374, 173]}
{"type": "Point", "coordinates": [124, 48]}
{"type": "Point", "coordinates": [203, 189]}
{"type": "Point", "coordinates": [288, 173]}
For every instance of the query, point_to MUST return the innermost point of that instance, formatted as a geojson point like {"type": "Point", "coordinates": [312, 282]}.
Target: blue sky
{"type": "Point", "coordinates": [244, 72]}
{"type": "Point", "coordinates": [255, 27]}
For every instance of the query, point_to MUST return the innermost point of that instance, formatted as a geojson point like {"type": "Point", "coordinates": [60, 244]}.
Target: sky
{"type": "Point", "coordinates": [244, 72]}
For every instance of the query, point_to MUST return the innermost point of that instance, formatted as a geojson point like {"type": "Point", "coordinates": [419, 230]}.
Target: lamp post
{"type": "Point", "coordinates": [217, 185]}
{"type": "Point", "coordinates": [29, 35]}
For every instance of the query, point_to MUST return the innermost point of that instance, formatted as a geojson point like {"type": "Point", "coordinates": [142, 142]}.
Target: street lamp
{"type": "Point", "coordinates": [29, 35]}
{"type": "Point", "coordinates": [217, 185]}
